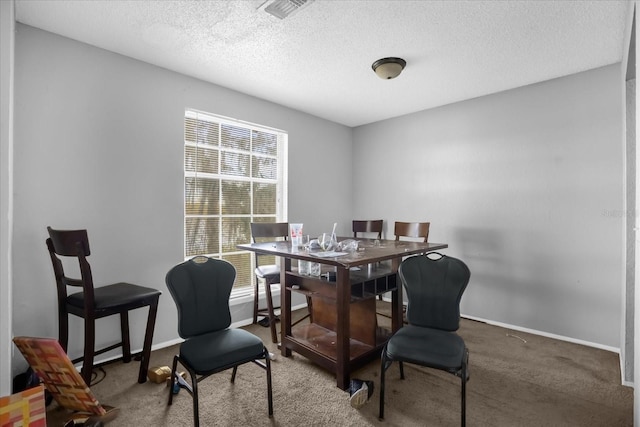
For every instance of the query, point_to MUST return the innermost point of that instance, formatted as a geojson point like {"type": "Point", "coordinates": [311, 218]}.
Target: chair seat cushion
{"type": "Point", "coordinates": [116, 295]}
{"type": "Point", "coordinates": [268, 272]}
{"type": "Point", "coordinates": [221, 349]}
{"type": "Point", "coordinates": [429, 347]}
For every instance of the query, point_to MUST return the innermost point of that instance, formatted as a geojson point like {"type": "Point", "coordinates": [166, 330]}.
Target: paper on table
{"type": "Point", "coordinates": [328, 254]}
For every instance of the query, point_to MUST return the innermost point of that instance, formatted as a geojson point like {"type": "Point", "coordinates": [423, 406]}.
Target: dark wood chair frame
{"type": "Point", "coordinates": [412, 229]}
{"type": "Point", "coordinates": [75, 243]}
{"type": "Point", "coordinates": [367, 226]}
{"type": "Point", "coordinates": [259, 232]}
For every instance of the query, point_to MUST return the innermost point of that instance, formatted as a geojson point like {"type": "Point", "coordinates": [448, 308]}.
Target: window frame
{"type": "Point", "coordinates": [281, 181]}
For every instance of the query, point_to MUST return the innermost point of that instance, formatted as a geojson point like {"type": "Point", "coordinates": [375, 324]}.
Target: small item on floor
{"type": "Point", "coordinates": [265, 321]}
{"type": "Point", "coordinates": [159, 374]}
{"type": "Point", "coordinates": [183, 374]}
{"type": "Point", "coordinates": [360, 392]}
{"type": "Point", "coordinates": [179, 382]}
{"type": "Point", "coordinates": [84, 422]}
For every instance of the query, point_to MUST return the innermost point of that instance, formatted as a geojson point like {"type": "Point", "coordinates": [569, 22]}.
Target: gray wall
{"type": "Point", "coordinates": [99, 145]}
{"type": "Point", "coordinates": [526, 187]}
{"type": "Point", "coordinates": [630, 218]}
{"type": "Point", "coordinates": [7, 26]}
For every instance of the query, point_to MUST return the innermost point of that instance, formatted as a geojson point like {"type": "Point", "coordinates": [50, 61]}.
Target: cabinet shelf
{"type": "Point", "coordinates": [364, 284]}
{"type": "Point", "coordinates": [318, 339]}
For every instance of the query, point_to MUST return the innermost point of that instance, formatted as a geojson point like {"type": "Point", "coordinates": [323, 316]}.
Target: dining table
{"type": "Point", "coordinates": [343, 333]}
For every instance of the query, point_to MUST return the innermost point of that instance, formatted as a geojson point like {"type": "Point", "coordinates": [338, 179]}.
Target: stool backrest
{"type": "Point", "coordinates": [412, 230]}
{"type": "Point", "coordinates": [72, 244]}
{"type": "Point", "coordinates": [367, 226]}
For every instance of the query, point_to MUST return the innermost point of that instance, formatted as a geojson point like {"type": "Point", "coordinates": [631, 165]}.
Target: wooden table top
{"type": "Point", "coordinates": [369, 251]}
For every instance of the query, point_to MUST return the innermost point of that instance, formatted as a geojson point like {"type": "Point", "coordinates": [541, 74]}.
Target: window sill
{"type": "Point", "coordinates": [245, 295]}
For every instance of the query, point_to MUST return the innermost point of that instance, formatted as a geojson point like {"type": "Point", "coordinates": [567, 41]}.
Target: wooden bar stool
{"type": "Point", "coordinates": [269, 273]}
{"type": "Point", "coordinates": [94, 303]}
{"type": "Point", "coordinates": [413, 230]}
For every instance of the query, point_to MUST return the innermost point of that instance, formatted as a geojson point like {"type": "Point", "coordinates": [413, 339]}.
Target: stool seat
{"type": "Point", "coordinates": [268, 272]}
{"type": "Point", "coordinates": [118, 296]}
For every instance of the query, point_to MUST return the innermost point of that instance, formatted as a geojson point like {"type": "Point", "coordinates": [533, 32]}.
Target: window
{"type": "Point", "coordinates": [234, 174]}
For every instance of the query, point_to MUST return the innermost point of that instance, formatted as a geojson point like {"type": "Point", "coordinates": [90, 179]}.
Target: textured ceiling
{"type": "Point", "coordinates": [319, 59]}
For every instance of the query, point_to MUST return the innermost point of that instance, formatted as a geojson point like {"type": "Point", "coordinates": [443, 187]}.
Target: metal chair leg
{"type": "Point", "coordinates": [196, 412]}
{"type": "Point", "coordinates": [269, 388]}
{"type": "Point", "coordinates": [384, 365]}
{"type": "Point", "coordinates": [173, 376]}
{"type": "Point", "coordinates": [463, 420]}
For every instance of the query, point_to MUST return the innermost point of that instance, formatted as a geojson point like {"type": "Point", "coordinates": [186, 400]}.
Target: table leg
{"type": "Point", "coordinates": [285, 305]}
{"type": "Point", "coordinates": [343, 353]}
{"type": "Point", "coordinates": [396, 298]}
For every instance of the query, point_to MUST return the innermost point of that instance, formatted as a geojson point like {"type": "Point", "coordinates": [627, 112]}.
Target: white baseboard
{"type": "Point", "coordinates": [561, 338]}
{"type": "Point", "coordinates": [248, 321]}
{"type": "Point", "coordinates": [544, 334]}
{"type": "Point", "coordinates": [536, 332]}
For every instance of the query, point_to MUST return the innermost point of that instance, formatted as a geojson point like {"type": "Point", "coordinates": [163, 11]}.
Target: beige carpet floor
{"type": "Point", "coordinates": [517, 379]}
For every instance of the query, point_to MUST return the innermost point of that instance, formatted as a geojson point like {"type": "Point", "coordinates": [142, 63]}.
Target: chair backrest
{"type": "Point", "coordinates": [268, 231]}
{"type": "Point", "coordinates": [201, 288]}
{"type": "Point", "coordinates": [65, 242]}
{"type": "Point", "coordinates": [72, 244]}
{"type": "Point", "coordinates": [50, 362]}
{"type": "Point", "coordinates": [367, 226]}
{"type": "Point", "coordinates": [412, 229]}
{"type": "Point", "coordinates": [434, 288]}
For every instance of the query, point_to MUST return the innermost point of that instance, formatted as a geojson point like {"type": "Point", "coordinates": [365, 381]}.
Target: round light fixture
{"type": "Point", "coordinates": [389, 68]}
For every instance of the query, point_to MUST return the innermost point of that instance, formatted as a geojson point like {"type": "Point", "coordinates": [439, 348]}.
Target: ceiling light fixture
{"type": "Point", "coordinates": [389, 68]}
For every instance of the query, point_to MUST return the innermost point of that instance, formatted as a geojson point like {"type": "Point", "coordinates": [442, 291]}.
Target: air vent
{"type": "Point", "coordinates": [283, 8]}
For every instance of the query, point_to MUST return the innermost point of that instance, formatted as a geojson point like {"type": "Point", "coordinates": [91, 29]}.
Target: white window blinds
{"type": "Point", "coordinates": [234, 174]}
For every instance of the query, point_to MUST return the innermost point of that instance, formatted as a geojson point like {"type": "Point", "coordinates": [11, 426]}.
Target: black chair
{"type": "Point", "coordinates": [434, 288]}
{"type": "Point", "coordinates": [201, 288]}
{"type": "Point", "coordinates": [269, 273]}
{"type": "Point", "coordinates": [367, 226]}
{"type": "Point", "coordinates": [95, 303]}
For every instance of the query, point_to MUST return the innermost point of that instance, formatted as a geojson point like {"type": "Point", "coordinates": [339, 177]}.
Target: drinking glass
{"type": "Point", "coordinates": [304, 266]}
